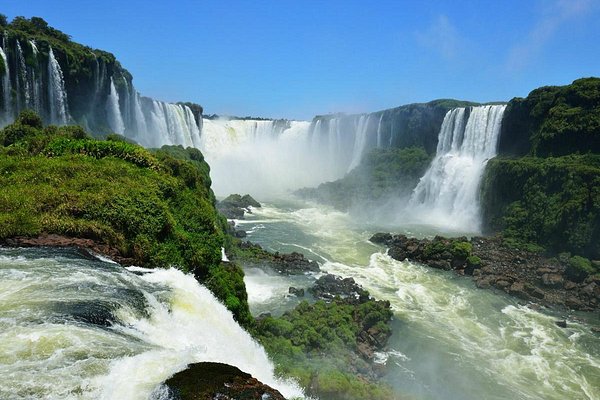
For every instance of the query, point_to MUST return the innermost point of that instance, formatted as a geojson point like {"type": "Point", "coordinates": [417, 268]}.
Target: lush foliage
{"type": "Point", "coordinates": [317, 344]}
{"type": "Point", "coordinates": [554, 121]}
{"type": "Point", "coordinates": [382, 173]}
{"type": "Point", "coordinates": [550, 202]}
{"type": "Point", "coordinates": [156, 208]}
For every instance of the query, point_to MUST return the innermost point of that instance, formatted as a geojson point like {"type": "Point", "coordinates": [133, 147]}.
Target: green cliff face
{"type": "Point", "coordinates": [549, 198]}
{"type": "Point", "coordinates": [553, 121]}
{"type": "Point", "coordinates": [155, 207]}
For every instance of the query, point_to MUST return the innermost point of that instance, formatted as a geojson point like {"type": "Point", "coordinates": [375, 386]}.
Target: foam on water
{"type": "Point", "coordinates": [54, 342]}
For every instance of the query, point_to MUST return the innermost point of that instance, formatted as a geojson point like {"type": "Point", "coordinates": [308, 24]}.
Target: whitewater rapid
{"type": "Point", "coordinates": [451, 340]}
{"type": "Point", "coordinates": [73, 328]}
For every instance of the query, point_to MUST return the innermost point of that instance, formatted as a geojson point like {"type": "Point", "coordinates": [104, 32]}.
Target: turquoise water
{"type": "Point", "coordinates": [451, 340]}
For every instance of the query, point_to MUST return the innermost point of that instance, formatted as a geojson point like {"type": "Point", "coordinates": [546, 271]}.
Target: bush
{"type": "Point", "coordinates": [579, 268]}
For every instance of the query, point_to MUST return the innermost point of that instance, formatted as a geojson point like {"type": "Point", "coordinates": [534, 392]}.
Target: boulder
{"type": "Point", "coordinates": [208, 380]}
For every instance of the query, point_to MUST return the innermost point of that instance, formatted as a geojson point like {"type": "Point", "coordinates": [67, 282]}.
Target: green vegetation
{"type": "Point", "coordinates": [318, 345]}
{"type": "Point", "coordinates": [552, 203]}
{"type": "Point", "coordinates": [382, 173]}
{"type": "Point", "coordinates": [548, 200]}
{"type": "Point", "coordinates": [154, 207]}
{"type": "Point", "coordinates": [554, 121]}
{"type": "Point", "coordinates": [579, 268]}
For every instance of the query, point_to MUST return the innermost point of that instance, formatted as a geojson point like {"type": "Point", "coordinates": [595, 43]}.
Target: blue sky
{"type": "Point", "coordinates": [295, 59]}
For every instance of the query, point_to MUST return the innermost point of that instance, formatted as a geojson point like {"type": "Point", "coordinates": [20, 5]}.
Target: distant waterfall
{"type": "Point", "coordinates": [360, 141]}
{"type": "Point", "coordinates": [115, 120]}
{"type": "Point", "coordinates": [448, 193]}
{"type": "Point", "coordinates": [6, 98]}
{"type": "Point", "coordinates": [57, 95]}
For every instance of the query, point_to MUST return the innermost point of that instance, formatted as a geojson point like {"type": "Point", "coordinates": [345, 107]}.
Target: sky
{"type": "Point", "coordinates": [297, 59]}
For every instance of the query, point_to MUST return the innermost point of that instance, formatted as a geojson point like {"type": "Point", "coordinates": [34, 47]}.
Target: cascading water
{"type": "Point", "coordinates": [6, 98]}
{"type": "Point", "coordinates": [57, 95]}
{"type": "Point", "coordinates": [75, 328]}
{"type": "Point", "coordinates": [360, 141]}
{"type": "Point", "coordinates": [113, 110]}
{"type": "Point", "coordinates": [448, 193]}
{"type": "Point", "coordinates": [35, 82]}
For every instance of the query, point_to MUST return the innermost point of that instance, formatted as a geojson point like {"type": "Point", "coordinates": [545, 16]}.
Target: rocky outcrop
{"type": "Point", "coordinates": [209, 381]}
{"type": "Point", "coordinates": [329, 287]}
{"type": "Point", "coordinates": [88, 247]}
{"type": "Point", "coordinates": [523, 274]}
{"type": "Point", "coordinates": [235, 206]}
{"type": "Point", "coordinates": [250, 254]}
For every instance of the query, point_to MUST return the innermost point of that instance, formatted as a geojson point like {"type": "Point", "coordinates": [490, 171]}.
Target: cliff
{"type": "Point", "coordinates": [69, 83]}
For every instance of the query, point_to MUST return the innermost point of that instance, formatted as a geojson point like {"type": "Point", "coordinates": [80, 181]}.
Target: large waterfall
{"type": "Point", "coordinates": [75, 328]}
{"type": "Point", "coordinates": [57, 95]}
{"type": "Point", "coordinates": [31, 76]}
{"type": "Point", "coordinates": [448, 193]}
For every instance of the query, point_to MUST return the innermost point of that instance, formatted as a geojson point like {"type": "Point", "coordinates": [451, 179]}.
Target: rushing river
{"type": "Point", "coordinates": [79, 328]}
{"type": "Point", "coordinates": [451, 340]}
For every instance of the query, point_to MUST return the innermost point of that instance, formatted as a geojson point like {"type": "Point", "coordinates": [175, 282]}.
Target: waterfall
{"type": "Point", "coordinates": [91, 329]}
{"type": "Point", "coordinates": [22, 80]}
{"type": "Point", "coordinates": [379, 131]}
{"type": "Point", "coordinates": [360, 141]}
{"type": "Point", "coordinates": [35, 82]}
{"type": "Point", "coordinates": [6, 89]}
{"type": "Point", "coordinates": [448, 192]}
{"type": "Point", "coordinates": [57, 95]}
{"type": "Point", "coordinates": [115, 120]}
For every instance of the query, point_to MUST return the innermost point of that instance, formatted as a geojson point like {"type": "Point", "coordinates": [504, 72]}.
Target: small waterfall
{"type": "Point", "coordinates": [57, 95]}
{"type": "Point", "coordinates": [140, 121]}
{"type": "Point", "coordinates": [6, 90]}
{"type": "Point", "coordinates": [379, 131]}
{"type": "Point", "coordinates": [35, 82]}
{"type": "Point", "coordinates": [22, 80]}
{"type": "Point", "coordinates": [115, 120]}
{"type": "Point", "coordinates": [360, 141]}
{"type": "Point", "coordinates": [448, 193]}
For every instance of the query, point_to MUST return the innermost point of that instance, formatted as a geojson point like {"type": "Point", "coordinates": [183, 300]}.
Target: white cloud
{"type": "Point", "coordinates": [442, 37]}
{"type": "Point", "coordinates": [554, 16]}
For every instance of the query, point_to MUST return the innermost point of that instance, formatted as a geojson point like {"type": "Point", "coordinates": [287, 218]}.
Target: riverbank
{"type": "Point", "coordinates": [552, 282]}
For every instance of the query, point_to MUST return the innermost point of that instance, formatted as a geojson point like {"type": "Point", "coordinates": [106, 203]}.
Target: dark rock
{"type": "Point", "coordinates": [299, 292]}
{"type": "Point", "coordinates": [570, 285]}
{"type": "Point", "coordinates": [209, 381]}
{"type": "Point", "coordinates": [381, 238]}
{"type": "Point", "coordinates": [234, 206]}
{"type": "Point", "coordinates": [552, 280]}
{"type": "Point", "coordinates": [329, 287]}
{"type": "Point", "coordinates": [238, 233]}
{"type": "Point", "coordinates": [294, 264]}
{"type": "Point", "coordinates": [561, 323]}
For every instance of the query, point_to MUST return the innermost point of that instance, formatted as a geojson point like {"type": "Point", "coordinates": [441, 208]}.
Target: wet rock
{"type": "Point", "coordinates": [527, 275]}
{"type": "Point", "coordinates": [234, 206]}
{"type": "Point", "coordinates": [298, 292]}
{"type": "Point", "coordinates": [287, 264]}
{"type": "Point", "coordinates": [239, 233]}
{"type": "Point", "coordinates": [561, 323]}
{"type": "Point", "coordinates": [330, 286]}
{"type": "Point", "coordinates": [552, 280]}
{"type": "Point", "coordinates": [569, 285]}
{"type": "Point", "coordinates": [209, 381]}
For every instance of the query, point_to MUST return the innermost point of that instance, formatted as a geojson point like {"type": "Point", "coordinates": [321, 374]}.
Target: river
{"type": "Point", "coordinates": [451, 340]}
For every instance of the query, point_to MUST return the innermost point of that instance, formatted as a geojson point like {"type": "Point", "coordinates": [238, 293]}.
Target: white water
{"type": "Point", "coordinates": [113, 110]}
{"type": "Point", "coordinates": [451, 340]}
{"type": "Point", "coordinates": [268, 157]}
{"type": "Point", "coordinates": [6, 97]}
{"type": "Point", "coordinates": [448, 194]}
{"type": "Point", "coordinates": [57, 96]}
{"type": "Point", "coordinates": [360, 141]}
{"type": "Point", "coordinates": [163, 320]}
